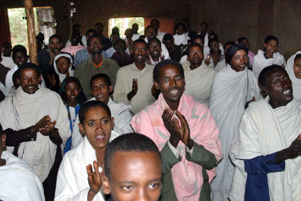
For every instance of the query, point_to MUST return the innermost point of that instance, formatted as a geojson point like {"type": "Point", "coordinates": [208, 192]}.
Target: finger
{"type": "Point", "coordinates": [89, 169]}
{"type": "Point", "coordinates": [96, 167]}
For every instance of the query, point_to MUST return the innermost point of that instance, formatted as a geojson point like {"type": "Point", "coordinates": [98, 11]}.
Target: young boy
{"type": "Point", "coordinates": [133, 169]}
{"type": "Point", "coordinates": [17, 179]}
{"type": "Point", "coordinates": [76, 180]}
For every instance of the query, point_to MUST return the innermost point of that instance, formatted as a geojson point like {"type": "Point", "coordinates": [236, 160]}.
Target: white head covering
{"type": "Point", "coordinates": [296, 82]}
{"type": "Point", "coordinates": [71, 72]}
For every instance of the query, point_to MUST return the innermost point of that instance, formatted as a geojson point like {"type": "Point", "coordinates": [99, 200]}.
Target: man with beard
{"type": "Point", "coordinates": [267, 147]}
{"type": "Point", "coordinates": [199, 76]}
{"type": "Point", "coordinates": [134, 82]}
{"type": "Point", "coordinates": [154, 53]}
{"type": "Point", "coordinates": [95, 64]}
{"type": "Point", "coordinates": [185, 133]}
{"type": "Point", "coordinates": [46, 57]}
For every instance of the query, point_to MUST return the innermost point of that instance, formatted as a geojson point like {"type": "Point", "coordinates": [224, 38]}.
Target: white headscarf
{"type": "Point", "coordinates": [70, 70]}
{"type": "Point", "coordinates": [295, 81]}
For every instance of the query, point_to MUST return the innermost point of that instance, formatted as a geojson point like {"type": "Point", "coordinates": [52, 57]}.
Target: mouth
{"type": "Point", "coordinates": [174, 91]}
{"type": "Point", "coordinates": [100, 137]}
{"type": "Point", "coordinates": [287, 91]}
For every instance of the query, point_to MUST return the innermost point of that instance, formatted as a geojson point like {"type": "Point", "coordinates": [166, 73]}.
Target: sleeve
{"type": "Point", "coordinates": [16, 137]}
{"type": "Point", "coordinates": [168, 159]}
{"type": "Point", "coordinates": [122, 124]}
{"type": "Point", "coordinates": [77, 137]}
{"type": "Point", "coordinates": [120, 93]}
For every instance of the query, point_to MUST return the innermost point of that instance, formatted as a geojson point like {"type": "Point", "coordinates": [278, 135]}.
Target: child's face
{"type": "Point", "coordinates": [72, 90]}
{"type": "Point", "coordinates": [100, 90]}
{"type": "Point", "coordinates": [134, 176]}
{"type": "Point", "coordinates": [297, 67]}
{"type": "Point", "coordinates": [63, 64]}
{"type": "Point", "coordinates": [97, 126]}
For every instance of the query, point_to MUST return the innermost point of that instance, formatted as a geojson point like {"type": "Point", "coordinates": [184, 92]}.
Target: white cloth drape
{"type": "Point", "coordinates": [296, 82]}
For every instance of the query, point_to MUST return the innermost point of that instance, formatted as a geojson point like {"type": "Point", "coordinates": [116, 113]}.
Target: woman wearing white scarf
{"type": "Point", "coordinates": [60, 66]}
{"type": "Point", "coordinates": [268, 57]}
{"type": "Point", "coordinates": [293, 69]}
{"type": "Point", "coordinates": [232, 88]}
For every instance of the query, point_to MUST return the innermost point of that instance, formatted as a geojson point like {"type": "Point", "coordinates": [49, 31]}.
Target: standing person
{"type": "Point", "coordinates": [36, 123]}
{"type": "Point", "coordinates": [135, 32]}
{"type": "Point", "coordinates": [203, 31]}
{"type": "Point", "coordinates": [133, 161]}
{"type": "Point", "coordinates": [269, 56]}
{"type": "Point", "coordinates": [75, 44]}
{"type": "Point", "coordinates": [76, 179]}
{"type": "Point", "coordinates": [96, 63]}
{"type": "Point", "coordinates": [199, 76]}
{"type": "Point", "coordinates": [267, 147]}
{"type": "Point", "coordinates": [185, 133]}
{"type": "Point", "coordinates": [7, 59]}
{"type": "Point", "coordinates": [293, 69]}
{"type": "Point", "coordinates": [156, 24]}
{"type": "Point", "coordinates": [233, 88]}
{"type": "Point", "coordinates": [134, 82]}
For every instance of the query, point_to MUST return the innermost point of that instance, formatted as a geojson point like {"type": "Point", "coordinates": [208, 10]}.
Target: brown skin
{"type": "Point", "coordinates": [95, 47]}
{"type": "Point", "coordinates": [195, 57]}
{"type": "Point", "coordinates": [2, 147]}
{"type": "Point", "coordinates": [100, 90]}
{"type": "Point", "coordinates": [297, 67]}
{"type": "Point", "coordinates": [55, 45]}
{"type": "Point", "coordinates": [271, 48]}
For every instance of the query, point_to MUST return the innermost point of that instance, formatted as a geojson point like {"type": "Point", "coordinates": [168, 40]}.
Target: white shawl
{"type": "Point", "coordinates": [230, 92]}
{"type": "Point", "coordinates": [264, 131]}
{"type": "Point", "coordinates": [296, 82]}
{"type": "Point", "coordinates": [260, 62]}
{"type": "Point", "coordinates": [71, 72]}
{"type": "Point", "coordinates": [122, 119]}
{"type": "Point", "coordinates": [72, 179]}
{"type": "Point", "coordinates": [23, 110]}
{"type": "Point", "coordinates": [181, 39]}
{"type": "Point", "coordinates": [18, 181]}
{"type": "Point", "coordinates": [199, 82]}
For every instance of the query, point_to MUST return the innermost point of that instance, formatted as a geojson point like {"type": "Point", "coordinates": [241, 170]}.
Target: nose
{"type": "Point", "coordinates": [142, 195]}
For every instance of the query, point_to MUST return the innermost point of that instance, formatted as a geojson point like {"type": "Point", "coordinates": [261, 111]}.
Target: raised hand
{"type": "Point", "coordinates": [40, 124]}
{"type": "Point", "coordinates": [207, 60]}
{"type": "Point", "coordinates": [183, 129]}
{"type": "Point", "coordinates": [134, 89]}
{"type": "Point", "coordinates": [95, 180]}
{"type": "Point", "coordinates": [169, 122]}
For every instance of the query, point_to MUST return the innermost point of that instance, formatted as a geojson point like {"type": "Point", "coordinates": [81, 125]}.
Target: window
{"type": "Point", "coordinates": [124, 23]}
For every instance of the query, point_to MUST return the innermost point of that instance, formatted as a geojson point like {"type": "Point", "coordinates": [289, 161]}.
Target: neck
{"type": "Point", "coordinates": [100, 155]}
{"type": "Point", "coordinates": [268, 56]}
{"type": "Point", "coordinates": [155, 58]}
{"type": "Point", "coordinates": [173, 105]}
{"type": "Point", "coordinates": [97, 58]}
{"type": "Point", "coordinates": [72, 103]}
{"type": "Point", "coordinates": [275, 104]}
{"type": "Point", "coordinates": [140, 64]}
{"type": "Point", "coordinates": [194, 65]}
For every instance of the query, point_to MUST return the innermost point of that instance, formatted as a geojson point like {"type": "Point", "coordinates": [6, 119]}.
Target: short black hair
{"type": "Point", "coordinates": [179, 24]}
{"type": "Point", "coordinates": [240, 39]}
{"type": "Point", "coordinates": [19, 48]}
{"type": "Point", "coordinates": [28, 66]}
{"type": "Point", "coordinates": [168, 37]}
{"type": "Point", "coordinates": [91, 30]}
{"type": "Point", "coordinates": [213, 34]}
{"type": "Point", "coordinates": [156, 72]}
{"type": "Point", "coordinates": [94, 36]}
{"type": "Point", "coordinates": [56, 36]}
{"type": "Point", "coordinates": [132, 142]}
{"type": "Point", "coordinates": [139, 41]}
{"type": "Point", "coordinates": [68, 80]}
{"type": "Point", "coordinates": [212, 40]}
{"type": "Point", "coordinates": [297, 57]}
{"type": "Point", "coordinates": [102, 76]}
{"type": "Point", "coordinates": [198, 37]}
{"type": "Point", "coordinates": [98, 23]}
{"type": "Point", "coordinates": [194, 45]}
{"type": "Point", "coordinates": [6, 43]}
{"type": "Point", "coordinates": [229, 43]}
{"type": "Point", "coordinates": [91, 104]}
{"type": "Point", "coordinates": [120, 40]}
{"type": "Point", "coordinates": [263, 74]}
{"type": "Point", "coordinates": [154, 39]}
{"type": "Point", "coordinates": [155, 20]}
{"type": "Point", "coordinates": [149, 26]}
{"type": "Point", "coordinates": [269, 38]}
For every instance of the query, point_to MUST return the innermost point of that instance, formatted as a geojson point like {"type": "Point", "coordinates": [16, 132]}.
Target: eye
{"type": "Point", "coordinates": [104, 121]}
{"type": "Point", "coordinates": [90, 124]}
{"type": "Point", "coordinates": [154, 185]}
{"type": "Point", "coordinates": [166, 79]}
{"type": "Point", "coordinates": [127, 187]}
{"type": "Point", "coordinates": [178, 77]}
{"type": "Point", "coordinates": [245, 56]}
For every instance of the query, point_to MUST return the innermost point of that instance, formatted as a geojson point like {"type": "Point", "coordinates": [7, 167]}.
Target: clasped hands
{"type": "Point", "coordinates": [45, 126]}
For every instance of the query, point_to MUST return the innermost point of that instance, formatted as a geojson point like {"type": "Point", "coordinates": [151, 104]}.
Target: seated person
{"type": "Point", "coordinates": [114, 38]}
{"type": "Point", "coordinates": [76, 179]}
{"type": "Point", "coordinates": [227, 45]}
{"type": "Point", "coordinates": [75, 44]}
{"type": "Point", "coordinates": [121, 56]}
{"type": "Point", "coordinates": [207, 47]}
{"type": "Point", "coordinates": [17, 179]}
{"type": "Point", "coordinates": [245, 42]}
{"type": "Point", "coordinates": [180, 38]}
{"type": "Point", "coordinates": [173, 50]}
{"type": "Point", "coordinates": [293, 69]}
{"type": "Point", "coordinates": [198, 39]}
{"type": "Point", "coordinates": [215, 59]}
{"type": "Point", "coordinates": [101, 88]}
{"type": "Point", "coordinates": [154, 53]}
{"type": "Point", "coordinates": [133, 169]}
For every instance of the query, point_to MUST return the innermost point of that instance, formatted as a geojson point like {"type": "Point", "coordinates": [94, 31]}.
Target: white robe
{"type": "Point", "coordinates": [18, 181]}
{"type": "Point", "coordinates": [72, 179]}
{"type": "Point", "coordinates": [181, 39]}
{"type": "Point", "coordinates": [264, 130]}
{"type": "Point", "coordinates": [8, 62]}
{"type": "Point", "coordinates": [260, 62]}
{"type": "Point", "coordinates": [229, 94]}
{"type": "Point", "coordinates": [163, 50]}
{"type": "Point", "coordinates": [199, 82]}
{"type": "Point", "coordinates": [295, 81]}
{"type": "Point", "coordinates": [207, 50]}
{"type": "Point", "coordinates": [122, 119]}
{"type": "Point", "coordinates": [220, 65]}
{"type": "Point", "coordinates": [23, 110]}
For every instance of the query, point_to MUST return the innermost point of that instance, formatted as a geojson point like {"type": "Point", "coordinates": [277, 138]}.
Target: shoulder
{"type": "Point", "coordinates": [110, 62]}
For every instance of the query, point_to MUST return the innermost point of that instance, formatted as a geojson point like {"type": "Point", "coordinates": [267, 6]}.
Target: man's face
{"type": "Point", "coordinates": [97, 127]}
{"type": "Point", "coordinates": [155, 49]}
{"type": "Point", "coordinates": [278, 87]}
{"type": "Point", "coordinates": [155, 24]}
{"type": "Point", "coordinates": [99, 28]}
{"type": "Point", "coordinates": [75, 38]}
{"type": "Point", "coordinates": [29, 80]}
{"type": "Point", "coordinates": [150, 33]}
{"type": "Point", "coordinates": [120, 46]}
{"type": "Point", "coordinates": [180, 30]}
{"type": "Point", "coordinates": [63, 65]}
{"type": "Point", "coordinates": [195, 56]}
{"type": "Point", "coordinates": [135, 28]}
{"type": "Point", "coordinates": [115, 37]}
{"type": "Point", "coordinates": [95, 46]}
{"type": "Point", "coordinates": [297, 67]}
{"type": "Point", "coordinates": [139, 52]}
{"type": "Point", "coordinates": [129, 33]}
{"type": "Point", "coordinates": [55, 45]}
{"type": "Point", "coordinates": [100, 90]}
{"type": "Point", "coordinates": [7, 50]}
{"type": "Point", "coordinates": [171, 83]}
{"type": "Point", "coordinates": [168, 44]}
{"type": "Point", "coordinates": [134, 176]}
{"type": "Point", "coordinates": [214, 46]}
{"type": "Point", "coordinates": [19, 58]}
{"type": "Point", "coordinates": [77, 28]}
{"type": "Point", "coordinates": [239, 61]}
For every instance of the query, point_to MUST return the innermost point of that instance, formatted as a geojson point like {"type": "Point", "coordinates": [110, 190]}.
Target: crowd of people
{"type": "Point", "coordinates": [159, 116]}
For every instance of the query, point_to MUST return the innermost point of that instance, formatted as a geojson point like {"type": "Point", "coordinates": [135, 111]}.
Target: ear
{"type": "Point", "coordinates": [111, 88]}
{"type": "Point", "coordinates": [3, 140]}
{"type": "Point", "coordinates": [19, 81]}
{"type": "Point", "coordinates": [157, 85]}
{"type": "Point", "coordinates": [112, 123]}
{"type": "Point", "coordinates": [265, 45]}
{"type": "Point", "coordinates": [81, 128]}
{"type": "Point", "coordinates": [40, 79]}
{"type": "Point", "coordinates": [264, 90]}
{"type": "Point", "coordinates": [106, 185]}
{"type": "Point", "coordinates": [188, 58]}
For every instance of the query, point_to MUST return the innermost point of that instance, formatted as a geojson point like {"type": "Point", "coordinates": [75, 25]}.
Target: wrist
{"type": "Point", "coordinates": [190, 143]}
{"type": "Point", "coordinates": [174, 141]}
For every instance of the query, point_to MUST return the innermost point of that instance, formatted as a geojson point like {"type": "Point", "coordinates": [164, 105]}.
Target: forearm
{"type": "Point", "coordinates": [168, 158]}
{"type": "Point", "coordinates": [55, 137]}
{"type": "Point", "coordinates": [14, 138]}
